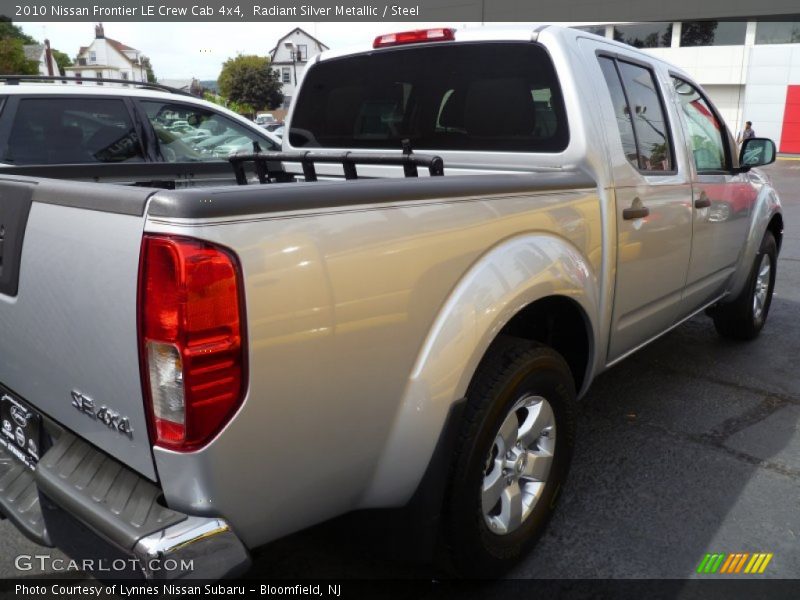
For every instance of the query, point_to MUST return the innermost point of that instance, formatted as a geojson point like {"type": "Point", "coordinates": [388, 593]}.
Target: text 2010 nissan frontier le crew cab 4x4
{"type": "Point", "coordinates": [399, 309]}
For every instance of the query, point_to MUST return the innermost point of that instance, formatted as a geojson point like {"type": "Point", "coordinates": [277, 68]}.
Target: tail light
{"type": "Point", "coordinates": [191, 339]}
{"type": "Point", "coordinates": [415, 37]}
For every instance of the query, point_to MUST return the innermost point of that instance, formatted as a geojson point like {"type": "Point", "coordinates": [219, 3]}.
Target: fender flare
{"type": "Point", "coordinates": [503, 281]}
{"type": "Point", "coordinates": [767, 205]}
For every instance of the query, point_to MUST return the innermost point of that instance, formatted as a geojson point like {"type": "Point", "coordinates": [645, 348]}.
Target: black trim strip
{"type": "Point", "coordinates": [204, 203]}
{"type": "Point", "coordinates": [121, 171]}
{"type": "Point", "coordinates": [102, 197]}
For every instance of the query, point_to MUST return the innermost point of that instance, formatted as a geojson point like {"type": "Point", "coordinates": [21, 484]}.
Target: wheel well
{"type": "Point", "coordinates": [776, 228]}
{"type": "Point", "coordinates": [559, 323]}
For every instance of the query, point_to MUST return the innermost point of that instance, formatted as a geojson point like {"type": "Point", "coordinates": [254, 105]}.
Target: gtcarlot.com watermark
{"type": "Point", "coordinates": [45, 562]}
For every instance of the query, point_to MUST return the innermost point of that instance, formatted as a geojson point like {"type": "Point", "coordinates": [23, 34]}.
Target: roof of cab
{"type": "Point", "coordinates": [511, 33]}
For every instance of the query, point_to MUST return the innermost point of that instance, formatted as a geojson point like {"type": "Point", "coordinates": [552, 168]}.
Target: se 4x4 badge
{"type": "Point", "coordinates": [111, 419]}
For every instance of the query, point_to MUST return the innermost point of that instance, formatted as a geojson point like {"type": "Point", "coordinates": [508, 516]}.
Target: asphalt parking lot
{"type": "Point", "coordinates": [691, 446]}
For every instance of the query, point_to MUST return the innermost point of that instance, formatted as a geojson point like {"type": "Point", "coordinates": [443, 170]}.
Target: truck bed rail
{"type": "Point", "coordinates": [408, 160]}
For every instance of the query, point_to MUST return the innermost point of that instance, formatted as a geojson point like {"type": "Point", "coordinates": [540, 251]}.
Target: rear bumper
{"type": "Point", "coordinates": [76, 484]}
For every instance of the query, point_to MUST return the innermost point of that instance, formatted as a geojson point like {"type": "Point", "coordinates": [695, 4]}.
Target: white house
{"type": "Point", "coordinates": [290, 56]}
{"type": "Point", "coordinates": [108, 58]}
{"type": "Point", "coordinates": [750, 70]}
{"type": "Point", "coordinates": [43, 56]}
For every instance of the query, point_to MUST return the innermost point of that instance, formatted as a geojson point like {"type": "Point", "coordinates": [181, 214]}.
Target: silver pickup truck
{"type": "Point", "coordinates": [398, 310]}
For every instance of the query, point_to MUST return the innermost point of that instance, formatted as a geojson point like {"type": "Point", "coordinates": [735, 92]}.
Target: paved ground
{"type": "Point", "coordinates": [690, 446]}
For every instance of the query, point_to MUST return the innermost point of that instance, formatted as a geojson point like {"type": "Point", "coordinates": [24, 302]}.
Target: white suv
{"type": "Point", "coordinates": [47, 124]}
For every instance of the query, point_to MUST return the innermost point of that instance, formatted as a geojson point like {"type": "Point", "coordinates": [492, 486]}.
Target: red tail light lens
{"type": "Point", "coordinates": [191, 339]}
{"type": "Point", "coordinates": [414, 37]}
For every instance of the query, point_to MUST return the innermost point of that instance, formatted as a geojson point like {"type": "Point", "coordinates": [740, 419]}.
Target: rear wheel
{"type": "Point", "coordinates": [744, 318]}
{"type": "Point", "coordinates": [512, 457]}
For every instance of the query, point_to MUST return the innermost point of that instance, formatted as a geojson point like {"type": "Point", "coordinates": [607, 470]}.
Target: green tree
{"type": "Point", "coordinates": [12, 54]}
{"type": "Point", "coordinates": [10, 31]}
{"type": "Point", "coordinates": [13, 61]}
{"type": "Point", "coordinates": [248, 80]}
{"type": "Point", "coordinates": [239, 107]}
{"type": "Point", "coordinates": [62, 60]}
{"type": "Point", "coordinates": [148, 68]}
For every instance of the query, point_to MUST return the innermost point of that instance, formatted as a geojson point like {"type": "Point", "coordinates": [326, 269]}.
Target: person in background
{"type": "Point", "coordinates": [746, 133]}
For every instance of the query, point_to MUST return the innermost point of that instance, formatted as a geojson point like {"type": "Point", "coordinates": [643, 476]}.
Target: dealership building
{"type": "Point", "coordinates": [751, 70]}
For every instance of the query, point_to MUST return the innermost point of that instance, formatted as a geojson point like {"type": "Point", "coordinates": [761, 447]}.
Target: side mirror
{"type": "Point", "coordinates": [757, 152]}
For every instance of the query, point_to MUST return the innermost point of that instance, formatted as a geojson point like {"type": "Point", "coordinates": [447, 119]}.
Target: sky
{"type": "Point", "coordinates": [183, 50]}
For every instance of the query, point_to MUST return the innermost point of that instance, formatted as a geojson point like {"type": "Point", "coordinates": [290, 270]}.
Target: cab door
{"type": "Point", "coordinates": [653, 204]}
{"type": "Point", "coordinates": [722, 201]}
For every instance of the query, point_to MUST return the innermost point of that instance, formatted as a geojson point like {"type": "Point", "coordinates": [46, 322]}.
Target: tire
{"type": "Point", "coordinates": [744, 317]}
{"type": "Point", "coordinates": [514, 371]}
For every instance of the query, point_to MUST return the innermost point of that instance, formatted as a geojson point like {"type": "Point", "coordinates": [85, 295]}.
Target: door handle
{"type": "Point", "coordinates": [703, 201]}
{"type": "Point", "coordinates": [637, 210]}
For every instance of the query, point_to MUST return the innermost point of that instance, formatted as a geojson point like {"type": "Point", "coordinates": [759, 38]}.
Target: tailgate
{"type": "Point", "coordinates": [68, 286]}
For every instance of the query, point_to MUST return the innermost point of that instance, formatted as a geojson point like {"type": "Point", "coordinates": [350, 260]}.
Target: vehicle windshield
{"type": "Point", "coordinates": [503, 96]}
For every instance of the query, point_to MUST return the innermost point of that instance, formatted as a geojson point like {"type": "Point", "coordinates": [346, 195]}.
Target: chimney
{"type": "Point", "coordinates": [48, 57]}
{"type": "Point", "coordinates": [98, 31]}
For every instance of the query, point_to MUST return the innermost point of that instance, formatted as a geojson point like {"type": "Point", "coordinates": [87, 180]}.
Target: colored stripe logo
{"type": "Point", "coordinates": [734, 563]}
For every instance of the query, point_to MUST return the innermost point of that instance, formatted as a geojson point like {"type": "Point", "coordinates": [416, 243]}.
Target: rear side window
{"type": "Point", "coordinates": [188, 133]}
{"type": "Point", "coordinates": [49, 131]}
{"type": "Point", "coordinates": [639, 114]}
{"type": "Point", "coordinates": [442, 96]}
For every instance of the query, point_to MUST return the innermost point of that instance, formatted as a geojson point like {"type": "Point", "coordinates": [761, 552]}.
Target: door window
{"type": "Point", "coordinates": [647, 113]}
{"type": "Point", "coordinates": [50, 131]}
{"type": "Point", "coordinates": [622, 114]}
{"type": "Point", "coordinates": [192, 133]}
{"type": "Point", "coordinates": [703, 128]}
{"type": "Point", "coordinates": [640, 114]}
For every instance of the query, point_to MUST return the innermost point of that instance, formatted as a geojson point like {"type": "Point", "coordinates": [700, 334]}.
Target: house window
{"type": "Point", "coordinates": [713, 33]}
{"type": "Point", "coordinates": [771, 32]}
{"type": "Point", "coordinates": [595, 29]}
{"type": "Point", "coordinates": [287, 75]}
{"type": "Point", "coordinates": [645, 35]}
{"type": "Point", "coordinates": [302, 52]}
{"type": "Point", "coordinates": [92, 56]}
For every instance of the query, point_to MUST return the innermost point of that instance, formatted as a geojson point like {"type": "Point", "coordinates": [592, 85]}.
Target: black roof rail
{"type": "Point", "coordinates": [16, 79]}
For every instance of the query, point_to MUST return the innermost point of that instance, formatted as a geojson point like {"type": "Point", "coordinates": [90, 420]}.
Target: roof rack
{"type": "Point", "coordinates": [16, 79]}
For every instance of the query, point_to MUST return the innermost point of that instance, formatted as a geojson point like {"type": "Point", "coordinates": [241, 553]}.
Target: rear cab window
{"type": "Point", "coordinates": [72, 130]}
{"type": "Point", "coordinates": [459, 96]}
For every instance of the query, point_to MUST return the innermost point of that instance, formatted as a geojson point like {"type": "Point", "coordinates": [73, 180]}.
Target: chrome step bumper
{"type": "Point", "coordinates": [122, 508]}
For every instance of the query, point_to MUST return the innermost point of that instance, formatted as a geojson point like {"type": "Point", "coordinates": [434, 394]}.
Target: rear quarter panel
{"type": "Point", "coordinates": [340, 304]}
